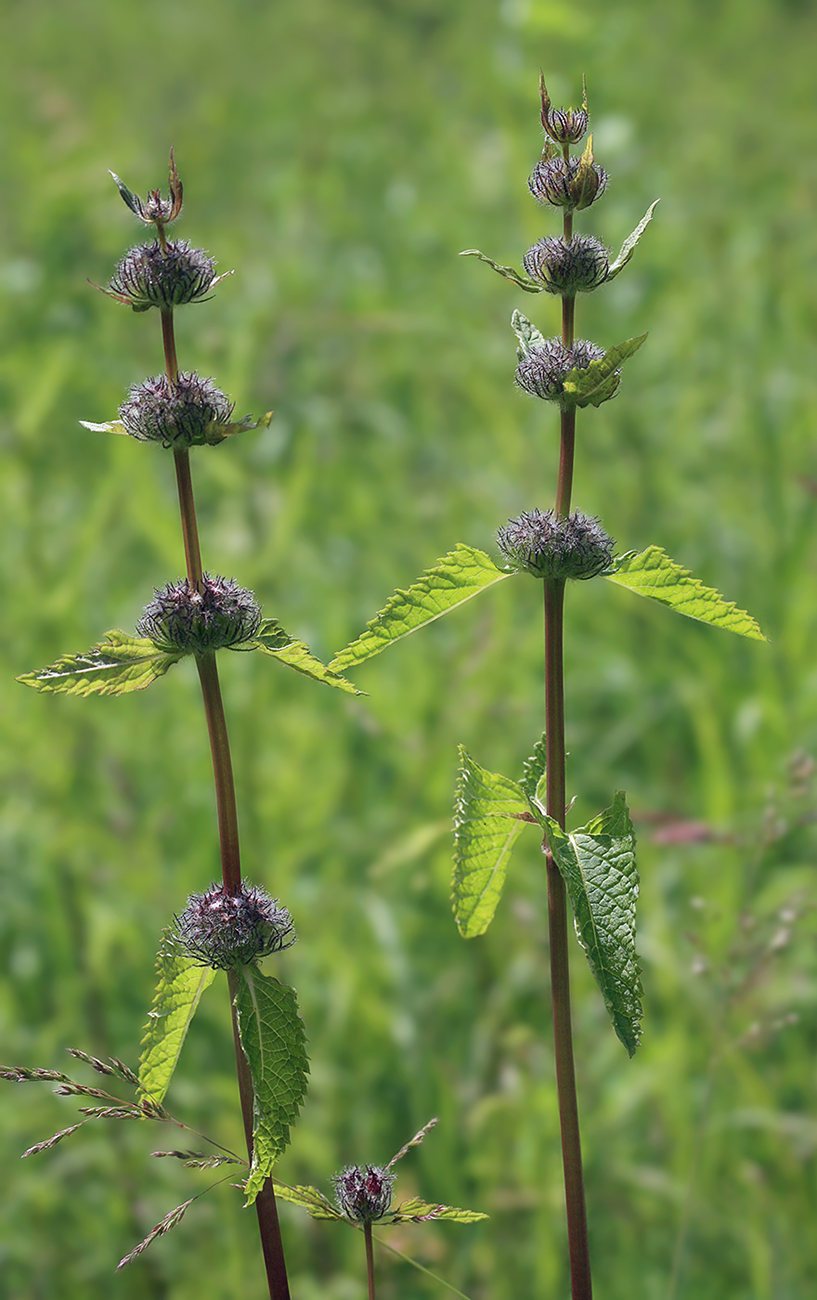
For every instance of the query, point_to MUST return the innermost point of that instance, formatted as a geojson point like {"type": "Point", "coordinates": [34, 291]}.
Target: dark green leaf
{"type": "Point", "coordinates": [533, 775]}
{"type": "Point", "coordinates": [117, 665]}
{"type": "Point", "coordinates": [597, 864]}
{"type": "Point", "coordinates": [273, 1039]}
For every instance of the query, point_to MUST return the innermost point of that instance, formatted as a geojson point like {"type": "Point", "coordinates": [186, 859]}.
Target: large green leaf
{"type": "Point", "coordinates": [273, 1039]}
{"type": "Point", "coordinates": [489, 813]}
{"type": "Point", "coordinates": [180, 984]}
{"type": "Point", "coordinates": [652, 573]}
{"type": "Point", "coordinates": [597, 864]}
{"type": "Point", "coordinates": [273, 640]}
{"type": "Point", "coordinates": [457, 577]}
{"type": "Point", "coordinates": [118, 664]}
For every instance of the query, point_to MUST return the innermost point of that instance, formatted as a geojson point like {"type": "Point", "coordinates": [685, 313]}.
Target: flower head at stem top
{"type": "Point", "coordinates": [226, 931]}
{"type": "Point", "coordinates": [154, 210]}
{"type": "Point", "coordinates": [364, 1192]}
{"type": "Point", "coordinates": [563, 125]}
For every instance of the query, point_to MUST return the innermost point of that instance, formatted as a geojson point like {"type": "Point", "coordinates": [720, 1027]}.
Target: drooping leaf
{"type": "Point", "coordinates": [598, 866]}
{"type": "Point", "coordinates": [179, 987]}
{"type": "Point", "coordinates": [489, 812]}
{"type": "Point", "coordinates": [630, 243]}
{"type": "Point", "coordinates": [457, 577]}
{"type": "Point", "coordinates": [419, 1211]}
{"type": "Point", "coordinates": [528, 335]}
{"type": "Point", "coordinates": [274, 641]}
{"type": "Point", "coordinates": [521, 281]}
{"type": "Point", "coordinates": [309, 1198]}
{"type": "Point", "coordinates": [117, 665]}
{"type": "Point", "coordinates": [533, 775]}
{"type": "Point", "coordinates": [598, 382]}
{"type": "Point", "coordinates": [652, 573]}
{"type": "Point", "coordinates": [273, 1039]}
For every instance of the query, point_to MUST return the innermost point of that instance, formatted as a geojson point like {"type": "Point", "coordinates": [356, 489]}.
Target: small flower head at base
{"type": "Point", "coordinates": [547, 545]}
{"type": "Point", "coordinates": [225, 931]}
{"type": "Point", "coordinates": [543, 369]}
{"type": "Point", "coordinates": [163, 276]}
{"type": "Point", "coordinates": [568, 267]}
{"type": "Point", "coordinates": [187, 413]}
{"type": "Point", "coordinates": [180, 617]}
{"type": "Point", "coordinates": [364, 1192]}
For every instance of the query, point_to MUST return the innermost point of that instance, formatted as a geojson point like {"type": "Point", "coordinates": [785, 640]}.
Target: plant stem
{"type": "Point", "coordinates": [367, 1233]}
{"type": "Point", "coordinates": [187, 507]}
{"type": "Point", "coordinates": [222, 773]}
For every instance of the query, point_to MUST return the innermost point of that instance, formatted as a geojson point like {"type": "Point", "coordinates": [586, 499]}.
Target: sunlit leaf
{"type": "Point", "coordinates": [652, 573]}
{"type": "Point", "coordinates": [597, 863]}
{"type": "Point", "coordinates": [630, 243]}
{"type": "Point", "coordinates": [489, 813]}
{"type": "Point", "coordinates": [179, 986]}
{"type": "Point", "coordinates": [457, 577]}
{"type": "Point", "coordinates": [597, 382]}
{"type": "Point", "coordinates": [533, 775]}
{"type": "Point", "coordinates": [309, 1198]}
{"type": "Point", "coordinates": [117, 665]}
{"type": "Point", "coordinates": [274, 1042]}
{"type": "Point", "coordinates": [419, 1211]}
{"type": "Point", "coordinates": [274, 641]}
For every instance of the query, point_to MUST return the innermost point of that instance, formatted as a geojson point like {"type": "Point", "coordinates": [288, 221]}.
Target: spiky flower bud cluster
{"type": "Point", "coordinates": [163, 275]}
{"type": "Point", "coordinates": [543, 369]}
{"type": "Point", "coordinates": [186, 413]}
{"type": "Point", "coordinates": [567, 267]}
{"type": "Point", "coordinates": [180, 617]}
{"type": "Point", "coordinates": [225, 931]}
{"type": "Point", "coordinates": [563, 125]}
{"type": "Point", "coordinates": [364, 1192]}
{"type": "Point", "coordinates": [570, 183]}
{"type": "Point", "coordinates": [547, 545]}
{"type": "Point", "coordinates": [155, 211]}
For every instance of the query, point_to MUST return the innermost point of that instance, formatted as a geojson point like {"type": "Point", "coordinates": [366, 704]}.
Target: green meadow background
{"type": "Point", "coordinates": [339, 154]}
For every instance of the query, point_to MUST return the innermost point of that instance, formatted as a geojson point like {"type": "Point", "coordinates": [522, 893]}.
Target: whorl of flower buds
{"type": "Point", "coordinates": [563, 125]}
{"type": "Point", "coordinates": [225, 931]}
{"type": "Point", "coordinates": [155, 276]}
{"type": "Point", "coordinates": [199, 622]}
{"type": "Point", "coordinates": [547, 545]}
{"type": "Point", "coordinates": [570, 183]}
{"type": "Point", "coordinates": [578, 265]}
{"type": "Point", "coordinates": [543, 369]}
{"type": "Point", "coordinates": [186, 413]}
{"type": "Point", "coordinates": [155, 211]}
{"type": "Point", "coordinates": [364, 1193]}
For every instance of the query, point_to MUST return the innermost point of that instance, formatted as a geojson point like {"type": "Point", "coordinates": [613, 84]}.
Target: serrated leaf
{"type": "Point", "coordinates": [521, 281]}
{"type": "Point", "coordinates": [630, 243]}
{"type": "Point", "coordinates": [179, 987]}
{"type": "Point", "coordinates": [489, 813]}
{"type": "Point", "coordinates": [597, 382]}
{"type": "Point", "coordinates": [534, 774]}
{"type": "Point", "coordinates": [309, 1198]}
{"type": "Point", "coordinates": [528, 335]}
{"type": "Point", "coordinates": [457, 577]}
{"type": "Point", "coordinates": [419, 1211]}
{"type": "Point", "coordinates": [117, 665]}
{"type": "Point", "coordinates": [109, 426]}
{"type": "Point", "coordinates": [273, 1039]}
{"type": "Point", "coordinates": [653, 574]}
{"type": "Point", "coordinates": [597, 864]}
{"type": "Point", "coordinates": [275, 641]}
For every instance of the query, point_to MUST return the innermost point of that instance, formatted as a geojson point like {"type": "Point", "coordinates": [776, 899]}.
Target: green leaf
{"type": "Point", "coordinates": [418, 1211]}
{"type": "Point", "coordinates": [309, 1198]}
{"type": "Point", "coordinates": [521, 281]}
{"type": "Point", "coordinates": [629, 245]}
{"type": "Point", "coordinates": [181, 983]}
{"type": "Point", "coordinates": [489, 813]}
{"type": "Point", "coordinates": [598, 382]}
{"type": "Point", "coordinates": [118, 664]}
{"type": "Point", "coordinates": [274, 641]}
{"type": "Point", "coordinates": [652, 573]}
{"type": "Point", "coordinates": [110, 426]}
{"type": "Point", "coordinates": [273, 1039]}
{"type": "Point", "coordinates": [457, 577]}
{"type": "Point", "coordinates": [533, 775]}
{"type": "Point", "coordinates": [597, 863]}
{"type": "Point", "coordinates": [528, 335]}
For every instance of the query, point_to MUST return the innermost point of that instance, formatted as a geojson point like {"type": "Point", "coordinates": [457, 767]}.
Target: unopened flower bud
{"type": "Point", "coordinates": [200, 622]}
{"type": "Point", "coordinates": [226, 931]}
{"type": "Point", "coordinates": [563, 125]}
{"type": "Point", "coordinates": [186, 413]}
{"type": "Point", "coordinates": [571, 183]}
{"type": "Point", "coordinates": [542, 370]}
{"type": "Point", "coordinates": [568, 267]}
{"type": "Point", "coordinates": [155, 276]}
{"type": "Point", "coordinates": [364, 1193]}
{"type": "Point", "coordinates": [547, 545]}
{"type": "Point", "coordinates": [154, 210]}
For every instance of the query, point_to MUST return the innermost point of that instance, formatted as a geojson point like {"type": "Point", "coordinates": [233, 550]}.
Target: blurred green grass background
{"type": "Point", "coordinates": [339, 154]}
